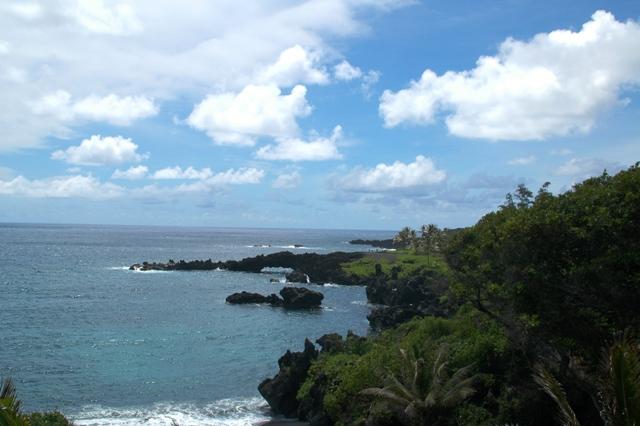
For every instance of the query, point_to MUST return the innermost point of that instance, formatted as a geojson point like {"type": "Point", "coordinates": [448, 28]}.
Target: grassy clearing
{"type": "Point", "coordinates": [408, 261]}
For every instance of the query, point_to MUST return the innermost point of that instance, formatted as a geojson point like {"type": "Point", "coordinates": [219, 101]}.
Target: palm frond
{"type": "Point", "coordinates": [10, 405]}
{"type": "Point", "coordinates": [387, 395]}
{"type": "Point", "coordinates": [8, 397]}
{"type": "Point", "coordinates": [554, 389]}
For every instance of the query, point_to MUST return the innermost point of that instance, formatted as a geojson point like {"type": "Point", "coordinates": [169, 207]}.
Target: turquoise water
{"type": "Point", "coordinates": [105, 345]}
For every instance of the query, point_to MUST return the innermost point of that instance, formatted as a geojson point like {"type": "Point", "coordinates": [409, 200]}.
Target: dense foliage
{"type": "Point", "coordinates": [471, 340]}
{"type": "Point", "coordinates": [543, 287]}
{"type": "Point", "coordinates": [563, 268]}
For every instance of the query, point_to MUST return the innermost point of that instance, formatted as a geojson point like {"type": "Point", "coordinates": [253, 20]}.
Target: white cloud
{"type": "Point", "coordinates": [244, 176]}
{"type": "Point", "coordinates": [522, 161]}
{"type": "Point", "coordinates": [132, 173]}
{"type": "Point", "coordinates": [237, 177]}
{"type": "Point", "coordinates": [99, 151]}
{"type": "Point", "coordinates": [295, 65]}
{"type": "Point", "coordinates": [399, 176]}
{"type": "Point", "coordinates": [96, 17]}
{"type": "Point", "coordinates": [241, 118]}
{"type": "Point", "coordinates": [346, 72]}
{"type": "Point", "coordinates": [113, 109]}
{"type": "Point", "coordinates": [81, 48]}
{"type": "Point", "coordinates": [116, 110]}
{"type": "Point", "coordinates": [287, 180]}
{"type": "Point", "coordinates": [61, 187]}
{"type": "Point", "coordinates": [178, 173]}
{"type": "Point", "coordinates": [4, 47]}
{"type": "Point", "coordinates": [550, 85]}
{"type": "Point", "coordinates": [295, 149]}
{"type": "Point", "coordinates": [24, 9]}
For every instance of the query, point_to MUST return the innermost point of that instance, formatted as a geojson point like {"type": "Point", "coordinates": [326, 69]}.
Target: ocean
{"type": "Point", "coordinates": [82, 334]}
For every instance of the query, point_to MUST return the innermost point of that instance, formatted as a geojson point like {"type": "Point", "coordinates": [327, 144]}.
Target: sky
{"type": "Point", "coordinates": [341, 114]}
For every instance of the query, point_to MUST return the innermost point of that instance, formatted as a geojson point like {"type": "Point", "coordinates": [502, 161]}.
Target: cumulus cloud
{"type": "Point", "coordinates": [243, 176]}
{"type": "Point", "coordinates": [295, 149]}
{"type": "Point", "coordinates": [295, 65]}
{"type": "Point", "coordinates": [241, 118]}
{"type": "Point", "coordinates": [112, 109]}
{"type": "Point", "coordinates": [414, 177]}
{"type": "Point", "coordinates": [178, 173]}
{"type": "Point", "coordinates": [287, 180]}
{"type": "Point", "coordinates": [522, 161]}
{"type": "Point", "coordinates": [346, 72]}
{"type": "Point", "coordinates": [550, 85]}
{"type": "Point", "coordinates": [132, 173]}
{"type": "Point", "coordinates": [61, 187]}
{"type": "Point", "coordinates": [141, 47]}
{"type": "Point", "coordinates": [100, 151]}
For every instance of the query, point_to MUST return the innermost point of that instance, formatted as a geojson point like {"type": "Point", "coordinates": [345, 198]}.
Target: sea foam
{"type": "Point", "coordinates": [225, 412]}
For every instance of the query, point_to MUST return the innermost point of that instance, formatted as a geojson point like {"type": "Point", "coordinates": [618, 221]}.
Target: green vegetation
{"type": "Point", "coordinates": [540, 287]}
{"type": "Point", "coordinates": [10, 414]}
{"type": "Point", "coordinates": [406, 263]}
{"type": "Point", "coordinates": [564, 269]}
{"type": "Point", "coordinates": [469, 339]}
{"type": "Point", "coordinates": [422, 393]}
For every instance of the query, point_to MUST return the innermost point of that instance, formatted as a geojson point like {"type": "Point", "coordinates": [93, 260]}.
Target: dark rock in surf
{"type": "Point", "coordinates": [281, 391]}
{"type": "Point", "coordinates": [292, 298]}
{"type": "Point", "coordinates": [246, 297]}
{"type": "Point", "coordinates": [297, 277]}
{"type": "Point", "coordinates": [300, 297]}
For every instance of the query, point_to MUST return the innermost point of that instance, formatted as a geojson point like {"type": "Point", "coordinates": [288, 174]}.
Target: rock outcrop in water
{"type": "Point", "coordinates": [297, 277]}
{"type": "Point", "coordinates": [292, 298]}
{"type": "Point", "coordinates": [320, 268]}
{"type": "Point", "coordinates": [281, 391]}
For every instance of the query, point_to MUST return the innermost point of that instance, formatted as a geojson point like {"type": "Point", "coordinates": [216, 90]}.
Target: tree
{"type": "Point", "coordinates": [431, 239]}
{"type": "Point", "coordinates": [406, 238]}
{"type": "Point", "coordinates": [420, 393]}
{"type": "Point", "coordinates": [558, 268]}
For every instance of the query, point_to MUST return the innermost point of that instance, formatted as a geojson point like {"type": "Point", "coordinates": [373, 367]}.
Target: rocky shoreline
{"type": "Point", "coordinates": [317, 268]}
{"type": "Point", "coordinates": [398, 299]}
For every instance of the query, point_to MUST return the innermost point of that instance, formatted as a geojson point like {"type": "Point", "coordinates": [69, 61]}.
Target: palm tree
{"type": "Point", "coordinates": [430, 239]}
{"type": "Point", "coordinates": [421, 394]}
{"type": "Point", "coordinates": [10, 405]}
{"type": "Point", "coordinates": [618, 387]}
{"type": "Point", "coordinates": [406, 238]}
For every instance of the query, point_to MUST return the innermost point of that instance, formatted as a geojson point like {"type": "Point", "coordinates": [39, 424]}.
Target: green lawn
{"type": "Point", "coordinates": [408, 260]}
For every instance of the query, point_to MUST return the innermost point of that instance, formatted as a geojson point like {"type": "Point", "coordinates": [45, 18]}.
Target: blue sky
{"type": "Point", "coordinates": [356, 114]}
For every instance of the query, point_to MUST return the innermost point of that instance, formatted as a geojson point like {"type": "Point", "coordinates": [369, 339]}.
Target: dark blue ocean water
{"type": "Point", "coordinates": [82, 334]}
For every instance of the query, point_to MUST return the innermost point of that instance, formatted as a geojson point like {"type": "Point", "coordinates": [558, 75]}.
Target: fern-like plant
{"type": "Point", "coordinates": [10, 405]}
{"type": "Point", "coordinates": [421, 393]}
